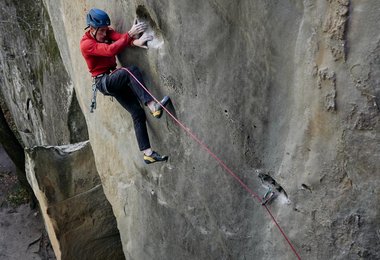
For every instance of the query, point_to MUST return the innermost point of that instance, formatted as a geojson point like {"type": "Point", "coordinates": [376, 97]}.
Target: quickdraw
{"type": "Point", "coordinates": [93, 100]}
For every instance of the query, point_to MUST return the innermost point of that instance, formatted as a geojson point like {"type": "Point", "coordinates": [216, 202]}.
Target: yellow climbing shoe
{"type": "Point", "coordinates": [154, 157]}
{"type": "Point", "coordinates": [158, 108]}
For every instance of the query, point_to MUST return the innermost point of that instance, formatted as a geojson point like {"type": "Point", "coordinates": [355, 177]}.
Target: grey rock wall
{"type": "Point", "coordinates": [78, 218]}
{"type": "Point", "coordinates": [285, 88]}
{"type": "Point", "coordinates": [41, 108]}
{"type": "Point", "coordinates": [35, 86]}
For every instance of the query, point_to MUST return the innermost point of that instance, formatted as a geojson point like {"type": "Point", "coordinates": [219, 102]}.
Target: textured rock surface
{"type": "Point", "coordinates": [35, 86]}
{"type": "Point", "coordinates": [41, 108]}
{"type": "Point", "coordinates": [77, 215]}
{"type": "Point", "coordinates": [288, 88]}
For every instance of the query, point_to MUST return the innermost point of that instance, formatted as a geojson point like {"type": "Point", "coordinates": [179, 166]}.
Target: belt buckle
{"type": "Point", "coordinates": [99, 76]}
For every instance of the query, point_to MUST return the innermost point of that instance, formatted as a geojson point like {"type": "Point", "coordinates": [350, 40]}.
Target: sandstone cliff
{"type": "Point", "coordinates": [285, 88]}
{"type": "Point", "coordinates": [40, 106]}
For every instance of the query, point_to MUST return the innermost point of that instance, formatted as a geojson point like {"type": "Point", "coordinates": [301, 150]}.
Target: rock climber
{"type": "Point", "coordinates": [99, 46]}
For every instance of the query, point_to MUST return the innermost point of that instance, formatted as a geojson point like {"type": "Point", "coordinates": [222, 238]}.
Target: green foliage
{"type": "Point", "coordinates": [18, 196]}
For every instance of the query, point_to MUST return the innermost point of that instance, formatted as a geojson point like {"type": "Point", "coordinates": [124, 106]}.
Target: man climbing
{"type": "Point", "coordinates": [99, 45]}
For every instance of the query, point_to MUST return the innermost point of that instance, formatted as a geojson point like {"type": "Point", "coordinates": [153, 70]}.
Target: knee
{"type": "Point", "coordinates": [125, 74]}
{"type": "Point", "coordinates": [134, 69]}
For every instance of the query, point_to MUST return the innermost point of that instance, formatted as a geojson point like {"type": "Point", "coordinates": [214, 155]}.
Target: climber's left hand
{"type": "Point", "coordinates": [140, 42]}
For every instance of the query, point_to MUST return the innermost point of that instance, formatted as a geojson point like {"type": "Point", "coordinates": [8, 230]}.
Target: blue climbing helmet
{"type": "Point", "coordinates": [97, 18]}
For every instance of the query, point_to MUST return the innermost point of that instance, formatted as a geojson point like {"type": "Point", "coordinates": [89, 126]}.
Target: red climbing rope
{"type": "Point", "coordinates": [225, 167]}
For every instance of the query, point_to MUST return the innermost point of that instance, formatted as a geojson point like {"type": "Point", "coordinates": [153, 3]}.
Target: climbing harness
{"type": "Point", "coordinates": [224, 166]}
{"type": "Point", "coordinates": [93, 100]}
{"type": "Point", "coordinates": [99, 79]}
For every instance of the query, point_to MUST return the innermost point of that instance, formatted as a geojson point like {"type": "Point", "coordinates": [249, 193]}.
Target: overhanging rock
{"type": "Point", "coordinates": [77, 215]}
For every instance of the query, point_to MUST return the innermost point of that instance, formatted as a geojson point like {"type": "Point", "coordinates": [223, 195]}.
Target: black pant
{"type": "Point", "coordinates": [128, 93]}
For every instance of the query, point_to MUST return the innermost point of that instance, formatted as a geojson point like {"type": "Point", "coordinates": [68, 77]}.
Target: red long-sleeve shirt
{"type": "Point", "coordinates": [100, 57]}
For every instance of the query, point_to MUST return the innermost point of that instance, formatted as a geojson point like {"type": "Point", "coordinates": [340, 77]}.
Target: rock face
{"type": "Point", "coordinates": [289, 88]}
{"type": "Point", "coordinates": [77, 215]}
{"type": "Point", "coordinates": [283, 88]}
{"type": "Point", "coordinates": [40, 106]}
{"type": "Point", "coordinates": [35, 86]}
